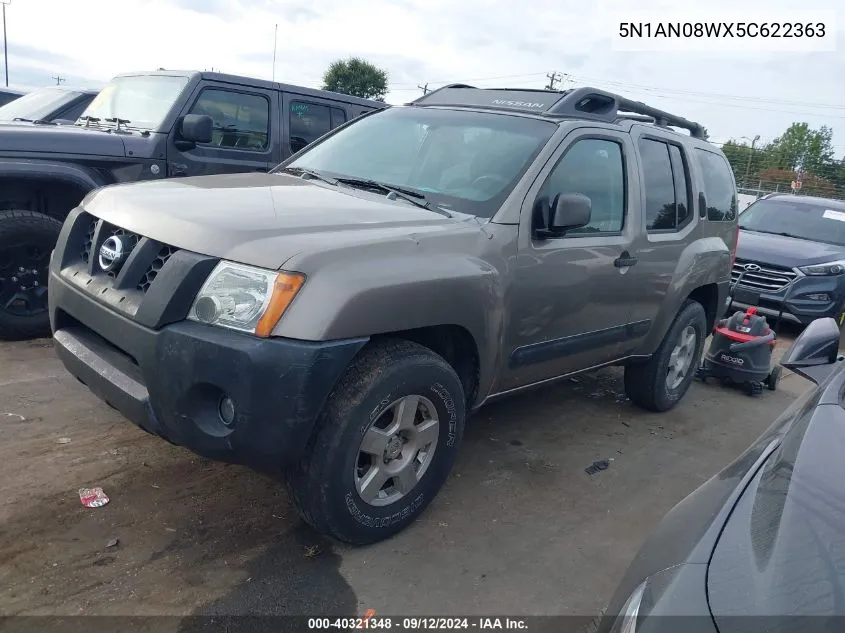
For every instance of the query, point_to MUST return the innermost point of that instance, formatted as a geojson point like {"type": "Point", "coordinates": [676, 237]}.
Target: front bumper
{"type": "Point", "coordinates": [794, 302]}
{"type": "Point", "coordinates": [170, 380]}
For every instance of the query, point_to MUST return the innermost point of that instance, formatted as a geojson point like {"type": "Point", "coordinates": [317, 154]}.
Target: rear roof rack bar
{"type": "Point", "coordinates": [582, 103]}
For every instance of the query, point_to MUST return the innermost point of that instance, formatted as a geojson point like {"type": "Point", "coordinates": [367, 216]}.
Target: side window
{"type": "Point", "coordinates": [241, 121]}
{"type": "Point", "coordinates": [682, 188]}
{"type": "Point", "coordinates": [660, 212]}
{"type": "Point", "coordinates": [338, 117]}
{"type": "Point", "coordinates": [666, 190]}
{"type": "Point", "coordinates": [308, 122]}
{"type": "Point", "coordinates": [719, 187]}
{"type": "Point", "coordinates": [594, 168]}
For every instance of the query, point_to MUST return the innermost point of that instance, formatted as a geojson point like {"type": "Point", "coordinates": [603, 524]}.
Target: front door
{"type": "Point", "coordinates": [569, 305]}
{"type": "Point", "coordinates": [244, 137]}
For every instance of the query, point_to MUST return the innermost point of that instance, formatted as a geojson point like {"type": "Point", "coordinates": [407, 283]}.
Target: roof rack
{"type": "Point", "coordinates": [582, 103]}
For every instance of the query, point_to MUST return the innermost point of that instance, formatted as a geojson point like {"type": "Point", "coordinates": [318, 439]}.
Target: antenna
{"type": "Point", "coordinates": [275, 39]}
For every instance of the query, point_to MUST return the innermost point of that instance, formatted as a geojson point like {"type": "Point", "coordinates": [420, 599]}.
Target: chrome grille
{"type": "Point", "coordinates": [768, 279]}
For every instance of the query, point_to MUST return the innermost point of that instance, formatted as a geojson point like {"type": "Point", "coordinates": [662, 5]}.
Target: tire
{"type": "Point", "coordinates": [323, 484]}
{"type": "Point", "coordinates": [646, 383]}
{"type": "Point", "coordinates": [34, 236]}
{"type": "Point", "coordinates": [774, 378]}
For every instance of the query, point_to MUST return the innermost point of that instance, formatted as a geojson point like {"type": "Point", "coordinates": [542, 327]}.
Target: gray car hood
{"type": "Point", "coordinates": [257, 219]}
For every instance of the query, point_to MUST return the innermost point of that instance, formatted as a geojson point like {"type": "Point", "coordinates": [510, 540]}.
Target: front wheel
{"type": "Point", "coordinates": [383, 446]}
{"type": "Point", "coordinates": [659, 383]}
{"type": "Point", "coordinates": [26, 240]}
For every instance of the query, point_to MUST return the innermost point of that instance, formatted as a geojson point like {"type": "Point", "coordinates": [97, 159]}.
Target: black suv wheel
{"type": "Point", "coordinates": [26, 240]}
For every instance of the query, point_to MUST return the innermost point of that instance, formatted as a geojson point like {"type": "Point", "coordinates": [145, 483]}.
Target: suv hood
{"type": "Point", "coordinates": [778, 250]}
{"type": "Point", "coordinates": [59, 139]}
{"type": "Point", "coordinates": [258, 219]}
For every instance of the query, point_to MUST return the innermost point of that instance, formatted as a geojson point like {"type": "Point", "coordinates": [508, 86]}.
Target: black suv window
{"type": "Point", "coordinates": [308, 122]}
{"type": "Point", "coordinates": [666, 185]}
{"type": "Point", "coordinates": [718, 186]}
{"type": "Point", "coordinates": [593, 168]}
{"type": "Point", "coordinates": [241, 121]}
{"type": "Point", "coordinates": [338, 117]}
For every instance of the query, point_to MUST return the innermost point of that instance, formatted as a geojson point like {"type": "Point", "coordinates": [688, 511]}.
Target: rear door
{"type": "Point", "coordinates": [244, 132]}
{"type": "Point", "coordinates": [307, 118]}
{"type": "Point", "coordinates": [669, 223]}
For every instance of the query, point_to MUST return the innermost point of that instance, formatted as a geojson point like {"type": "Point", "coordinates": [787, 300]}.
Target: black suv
{"type": "Point", "coordinates": [792, 253]}
{"type": "Point", "coordinates": [141, 126]}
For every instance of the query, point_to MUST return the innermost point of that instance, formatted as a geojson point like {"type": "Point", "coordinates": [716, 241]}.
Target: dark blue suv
{"type": "Point", "coordinates": [792, 252]}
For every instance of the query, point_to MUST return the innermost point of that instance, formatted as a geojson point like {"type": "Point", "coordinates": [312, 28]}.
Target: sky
{"type": "Point", "coordinates": [488, 43]}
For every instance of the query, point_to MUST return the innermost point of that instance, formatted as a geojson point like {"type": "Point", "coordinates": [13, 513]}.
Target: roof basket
{"type": "Point", "coordinates": [582, 103]}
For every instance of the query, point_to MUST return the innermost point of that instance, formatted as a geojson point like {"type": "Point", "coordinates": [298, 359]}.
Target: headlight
{"type": "Point", "coordinates": [626, 622]}
{"type": "Point", "coordinates": [828, 268]}
{"type": "Point", "coordinates": [245, 298]}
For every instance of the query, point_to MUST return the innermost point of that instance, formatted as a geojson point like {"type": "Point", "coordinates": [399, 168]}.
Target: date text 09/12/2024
{"type": "Point", "coordinates": [416, 623]}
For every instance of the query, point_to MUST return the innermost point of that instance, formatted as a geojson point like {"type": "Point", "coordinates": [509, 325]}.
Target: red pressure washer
{"type": "Point", "coordinates": [741, 350]}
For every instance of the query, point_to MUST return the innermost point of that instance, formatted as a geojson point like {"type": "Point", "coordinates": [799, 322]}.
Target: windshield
{"type": "Point", "coordinates": [814, 222]}
{"type": "Point", "coordinates": [37, 105]}
{"type": "Point", "coordinates": [463, 161]}
{"type": "Point", "coordinates": [143, 100]}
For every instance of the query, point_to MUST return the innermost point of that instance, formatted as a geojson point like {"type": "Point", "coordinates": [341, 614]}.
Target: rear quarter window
{"type": "Point", "coordinates": [719, 187]}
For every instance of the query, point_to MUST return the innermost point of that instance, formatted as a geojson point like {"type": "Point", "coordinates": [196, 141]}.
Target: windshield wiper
{"type": "Point", "coordinates": [781, 233]}
{"type": "Point", "coordinates": [392, 191]}
{"type": "Point", "coordinates": [34, 121]}
{"type": "Point", "coordinates": [88, 120]}
{"type": "Point", "coordinates": [302, 172]}
{"type": "Point", "coordinates": [118, 122]}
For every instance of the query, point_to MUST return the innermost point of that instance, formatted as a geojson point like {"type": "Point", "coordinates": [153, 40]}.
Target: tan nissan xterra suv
{"type": "Point", "coordinates": [334, 321]}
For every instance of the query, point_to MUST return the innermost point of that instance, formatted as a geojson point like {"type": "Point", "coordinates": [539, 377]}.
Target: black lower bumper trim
{"type": "Point", "coordinates": [171, 381]}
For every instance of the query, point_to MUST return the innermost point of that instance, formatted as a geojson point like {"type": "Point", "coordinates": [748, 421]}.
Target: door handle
{"type": "Point", "coordinates": [624, 260]}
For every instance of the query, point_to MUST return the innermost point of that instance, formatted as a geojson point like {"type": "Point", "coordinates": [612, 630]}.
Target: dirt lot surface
{"type": "Point", "coordinates": [520, 528]}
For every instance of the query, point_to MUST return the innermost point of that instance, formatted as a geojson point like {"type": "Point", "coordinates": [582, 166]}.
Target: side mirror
{"type": "Point", "coordinates": [814, 351]}
{"type": "Point", "coordinates": [571, 211]}
{"type": "Point", "coordinates": [196, 128]}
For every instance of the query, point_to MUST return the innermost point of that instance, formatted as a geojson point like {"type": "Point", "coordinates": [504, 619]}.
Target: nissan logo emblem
{"type": "Point", "coordinates": [752, 268]}
{"type": "Point", "coordinates": [111, 254]}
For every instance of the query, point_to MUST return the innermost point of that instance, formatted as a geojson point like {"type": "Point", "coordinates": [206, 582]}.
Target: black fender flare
{"type": "Point", "coordinates": [84, 178]}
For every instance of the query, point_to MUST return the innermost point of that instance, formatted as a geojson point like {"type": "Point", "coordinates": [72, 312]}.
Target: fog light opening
{"type": "Point", "coordinates": [226, 410]}
{"type": "Point", "coordinates": [818, 296]}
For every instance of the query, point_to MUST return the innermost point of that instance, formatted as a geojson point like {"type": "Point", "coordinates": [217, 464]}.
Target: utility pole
{"type": "Point", "coordinates": [553, 79]}
{"type": "Point", "coordinates": [423, 88]}
{"type": "Point", "coordinates": [750, 154]}
{"type": "Point", "coordinates": [5, 43]}
{"type": "Point", "coordinates": [59, 79]}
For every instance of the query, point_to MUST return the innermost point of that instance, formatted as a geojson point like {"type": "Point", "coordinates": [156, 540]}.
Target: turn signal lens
{"type": "Point", "coordinates": [285, 288]}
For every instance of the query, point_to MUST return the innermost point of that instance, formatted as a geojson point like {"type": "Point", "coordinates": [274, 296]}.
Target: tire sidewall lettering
{"type": "Point", "coordinates": [362, 512]}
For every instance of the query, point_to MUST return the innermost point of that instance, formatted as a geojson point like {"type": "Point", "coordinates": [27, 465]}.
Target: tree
{"type": "Point", "coordinates": [357, 77]}
{"type": "Point", "coordinates": [800, 148]}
